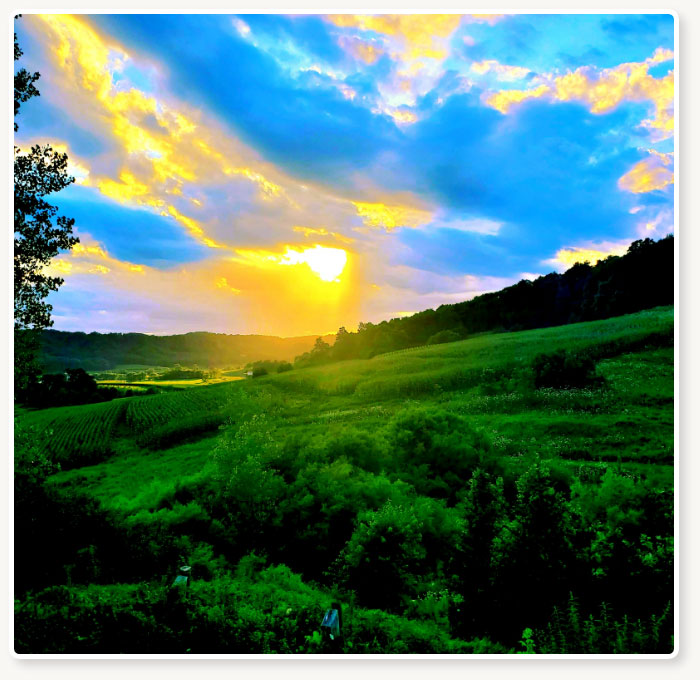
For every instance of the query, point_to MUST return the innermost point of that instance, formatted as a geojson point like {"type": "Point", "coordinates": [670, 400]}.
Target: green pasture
{"type": "Point", "coordinates": [627, 421]}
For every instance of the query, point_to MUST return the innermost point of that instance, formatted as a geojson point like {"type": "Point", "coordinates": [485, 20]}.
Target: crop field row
{"type": "Point", "coordinates": [77, 435]}
{"type": "Point", "coordinates": [198, 382]}
{"type": "Point", "coordinates": [82, 435]}
{"type": "Point", "coordinates": [150, 412]}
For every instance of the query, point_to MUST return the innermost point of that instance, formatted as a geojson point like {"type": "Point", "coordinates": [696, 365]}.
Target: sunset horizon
{"type": "Point", "coordinates": [263, 174]}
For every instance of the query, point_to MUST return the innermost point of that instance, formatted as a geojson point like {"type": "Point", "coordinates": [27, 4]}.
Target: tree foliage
{"type": "Point", "coordinates": [39, 232]}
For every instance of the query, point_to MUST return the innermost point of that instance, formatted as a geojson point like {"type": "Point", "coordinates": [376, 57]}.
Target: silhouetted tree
{"type": "Point", "coordinates": [39, 234]}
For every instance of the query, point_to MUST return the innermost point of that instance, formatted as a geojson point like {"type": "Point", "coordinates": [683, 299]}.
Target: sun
{"type": "Point", "coordinates": [327, 263]}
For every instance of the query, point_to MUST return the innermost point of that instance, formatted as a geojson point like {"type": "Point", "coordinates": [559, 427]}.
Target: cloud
{"type": "Point", "coordinates": [417, 35]}
{"type": "Point", "coordinates": [180, 165]}
{"type": "Point", "coordinates": [368, 51]}
{"type": "Point", "coordinates": [650, 174]}
{"type": "Point", "coordinates": [309, 231]}
{"type": "Point", "coordinates": [373, 138]}
{"type": "Point", "coordinates": [532, 174]}
{"type": "Point", "coordinates": [417, 44]}
{"type": "Point", "coordinates": [161, 148]}
{"type": "Point", "coordinates": [502, 71]}
{"type": "Point", "coordinates": [603, 90]}
{"type": "Point", "coordinates": [90, 257]}
{"type": "Point", "coordinates": [477, 225]}
{"type": "Point", "coordinates": [656, 223]}
{"type": "Point", "coordinates": [388, 217]}
{"type": "Point", "coordinates": [591, 253]}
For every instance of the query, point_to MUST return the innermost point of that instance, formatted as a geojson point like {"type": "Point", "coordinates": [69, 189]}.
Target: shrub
{"type": "Point", "coordinates": [437, 451]}
{"type": "Point", "coordinates": [363, 449]}
{"type": "Point", "coordinates": [443, 336]}
{"type": "Point", "coordinates": [397, 552]}
{"type": "Point", "coordinates": [562, 369]}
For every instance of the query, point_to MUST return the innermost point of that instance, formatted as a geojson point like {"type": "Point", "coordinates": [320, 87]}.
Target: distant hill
{"type": "Point", "coordinates": [104, 351]}
{"type": "Point", "coordinates": [643, 278]}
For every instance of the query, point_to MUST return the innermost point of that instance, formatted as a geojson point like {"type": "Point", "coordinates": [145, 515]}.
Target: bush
{"type": "Point", "coordinates": [443, 336]}
{"type": "Point", "coordinates": [437, 451]}
{"type": "Point", "coordinates": [562, 369]}
{"type": "Point", "coordinates": [266, 367]}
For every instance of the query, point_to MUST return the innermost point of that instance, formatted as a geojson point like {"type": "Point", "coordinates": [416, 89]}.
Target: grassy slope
{"type": "Point", "coordinates": [628, 424]}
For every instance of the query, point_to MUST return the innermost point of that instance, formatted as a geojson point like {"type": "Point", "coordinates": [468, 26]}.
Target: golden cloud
{"type": "Point", "coordinates": [502, 71]}
{"type": "Point", "coordinates": [364, 50]}
{"type": "Point", "coordinates": [309, 231]}
{"type": "Point", "coordinates": [382, 216]}
{"type": "Point", "coordinates": [89, 257]}
{"type": "Point", "coordinates": [504, 100]}
{"type": "Point", "coordinates": [164, 149]}
{"type": "Point", "coordinates": [604, 90]}
{"type": "Point", "coordinates": [567, 257]}
{"type": "Point", "coordinates": [648, 175]}
{"type": "Point", "coordinates": [419, 33]}
{"type": "Point", "coordinates": [222, 283]}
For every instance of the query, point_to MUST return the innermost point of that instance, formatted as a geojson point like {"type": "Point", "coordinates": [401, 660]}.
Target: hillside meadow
{"type": "Point", "coordinates": [511, 492]}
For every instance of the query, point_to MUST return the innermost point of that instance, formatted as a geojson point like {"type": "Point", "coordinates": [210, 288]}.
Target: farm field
{"type": "Point", "coordinates": [170, 383]}
{"type": "Point", "coordinates": [433, 469]}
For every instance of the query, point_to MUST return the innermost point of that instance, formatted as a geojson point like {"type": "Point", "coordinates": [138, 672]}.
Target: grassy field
{"type": "Point", "coordinates": [162, 463]}
{"type": "Point", "coordinates": [629, 422]}
{"type": "Point", "coordinates": [170, 383]}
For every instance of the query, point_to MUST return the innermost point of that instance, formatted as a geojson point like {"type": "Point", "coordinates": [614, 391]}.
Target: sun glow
{"type": "Point", "coordinates": [326, 263]}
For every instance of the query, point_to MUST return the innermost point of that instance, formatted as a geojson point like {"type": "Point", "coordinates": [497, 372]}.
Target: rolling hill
{"type": "Point", "coordinates": [105, 351]}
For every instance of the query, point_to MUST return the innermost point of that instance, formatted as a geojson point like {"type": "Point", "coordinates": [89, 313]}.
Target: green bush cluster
{"type": "Point", "coordinates": [562, 369]}
{"type": "Point", "coordinates": [443, 336]}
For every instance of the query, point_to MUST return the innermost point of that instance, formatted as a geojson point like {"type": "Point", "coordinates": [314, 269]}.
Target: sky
{"type": "Point", "coordinates": [288, 175]}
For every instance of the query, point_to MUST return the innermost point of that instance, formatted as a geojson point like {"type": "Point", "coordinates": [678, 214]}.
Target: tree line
{"type": "Point", "coordinates": [641, 279]}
